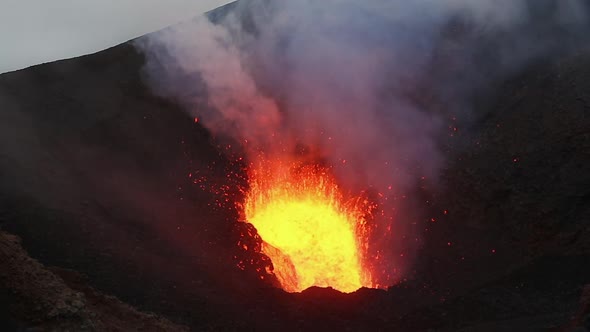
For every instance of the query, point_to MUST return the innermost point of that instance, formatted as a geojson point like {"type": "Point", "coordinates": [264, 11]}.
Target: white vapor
{"type": "Point", "coordinates": [368, 84]}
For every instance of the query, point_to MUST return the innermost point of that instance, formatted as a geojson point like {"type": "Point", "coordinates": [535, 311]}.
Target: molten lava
{"type": "Point", "coordinates": [313, 235]}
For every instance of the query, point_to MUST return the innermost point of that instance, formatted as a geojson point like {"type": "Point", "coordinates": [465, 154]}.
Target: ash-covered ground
{"type": "Point", "coordinates": [115, 236]}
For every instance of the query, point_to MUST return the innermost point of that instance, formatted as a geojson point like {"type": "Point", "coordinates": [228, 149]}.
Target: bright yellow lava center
{"type": "Point", "coordinates": [308, 233]}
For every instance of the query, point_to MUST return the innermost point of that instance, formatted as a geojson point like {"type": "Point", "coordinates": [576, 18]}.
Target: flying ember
{"type": "Point", "coordinates": [312, 234]}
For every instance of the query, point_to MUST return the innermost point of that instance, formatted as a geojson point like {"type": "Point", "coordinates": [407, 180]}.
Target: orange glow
{"type": "Point", "coordinates": [313, 235]}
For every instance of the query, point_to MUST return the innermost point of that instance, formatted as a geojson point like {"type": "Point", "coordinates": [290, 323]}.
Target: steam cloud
{"type": "Point", "coordinates": [370, 84]}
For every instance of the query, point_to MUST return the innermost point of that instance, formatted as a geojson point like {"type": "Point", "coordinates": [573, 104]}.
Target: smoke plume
{"type": "Point", "coordinates": [370, 85]}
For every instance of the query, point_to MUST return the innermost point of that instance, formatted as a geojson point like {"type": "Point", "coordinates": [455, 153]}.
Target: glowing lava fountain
{"type": "Point", "coordinates": [312, 234]}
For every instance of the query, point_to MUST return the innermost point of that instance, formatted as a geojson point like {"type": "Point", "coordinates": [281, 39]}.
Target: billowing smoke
{"type": "Point", "coordinates": [370, 86]}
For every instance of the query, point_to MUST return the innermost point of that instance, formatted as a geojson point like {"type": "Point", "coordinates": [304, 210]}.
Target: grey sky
{"type": "Point", "coordinates": [37, 31]}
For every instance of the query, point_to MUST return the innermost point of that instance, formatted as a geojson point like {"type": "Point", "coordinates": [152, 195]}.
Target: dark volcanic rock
{"type": "Point", "coordinates": [41, 299]}
{"type": "Point", "coordinates": [94, 178]}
